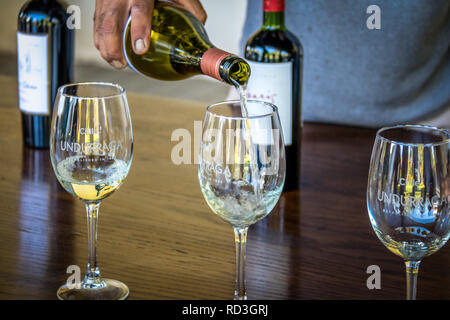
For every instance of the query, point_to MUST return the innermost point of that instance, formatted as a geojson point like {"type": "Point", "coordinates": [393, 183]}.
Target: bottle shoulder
{"type": "Point", "coordinates": [36, 11]}
{"type": "Point", "coordinates": [293, 38]}
{"type": "Point", "coordinates": [280, 45]}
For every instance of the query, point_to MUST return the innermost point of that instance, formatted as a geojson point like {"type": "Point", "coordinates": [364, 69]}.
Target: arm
{"type": "Point", "coordinates": [110, 18]}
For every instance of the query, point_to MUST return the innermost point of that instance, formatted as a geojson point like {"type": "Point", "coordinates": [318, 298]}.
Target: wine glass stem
{"type": "Point", "coordinates": [412, 270]}
{"type": "Point", "coordinates": [240, 238]}
{"type": "Point", "coordinates": [93, 276]}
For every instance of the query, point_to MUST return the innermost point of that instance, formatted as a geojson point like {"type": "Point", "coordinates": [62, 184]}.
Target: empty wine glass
{"type": "Point", "coordinates": [241, 168]}
{"type": "Point", "coordinates": [408, 193]}
{"type": "Point", "coordinates": [91, 147]}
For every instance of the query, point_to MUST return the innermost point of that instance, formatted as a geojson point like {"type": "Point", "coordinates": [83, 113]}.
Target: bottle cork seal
{"type": "Point", "coordinates": [274, 5]}
{"type": "Point", "coordinates": [211, 60]}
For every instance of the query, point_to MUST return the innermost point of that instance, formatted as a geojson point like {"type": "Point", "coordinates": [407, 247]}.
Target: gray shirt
{"type": "Point", "coordinates": [357, 76]}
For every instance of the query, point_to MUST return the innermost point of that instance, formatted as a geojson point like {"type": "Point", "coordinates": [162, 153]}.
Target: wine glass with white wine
{"type": "Point", "coordinates": [91, 148]}
{"type": "Point", "coordinates": [408, 193]}
{"type": "Point", "coordinates": [241, 168]}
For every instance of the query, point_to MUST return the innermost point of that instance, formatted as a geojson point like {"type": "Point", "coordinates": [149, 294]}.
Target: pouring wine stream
{"type": "Point", "coordinates": [253, 161]}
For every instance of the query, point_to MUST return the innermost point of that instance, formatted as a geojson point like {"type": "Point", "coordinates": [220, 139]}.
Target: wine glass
{"type": "Point", "coordinates": [241, 168]}
{"type": "Point", "coordinates": [91, 148]}
{"type": "Point", "coordinates": [408, 193]}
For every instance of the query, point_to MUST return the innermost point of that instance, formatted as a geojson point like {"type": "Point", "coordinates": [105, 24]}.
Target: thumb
{"type": "Point", "coordinates": [141, 21]}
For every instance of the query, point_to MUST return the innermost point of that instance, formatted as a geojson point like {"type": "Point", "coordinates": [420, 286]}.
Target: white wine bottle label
{"type": "Point", "coordinates": [272, 82]}
{"type": "Point", "coordinates": [33, 73]}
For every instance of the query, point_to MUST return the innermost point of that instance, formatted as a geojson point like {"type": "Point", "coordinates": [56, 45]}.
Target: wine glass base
{"type": "Point", "coordinates": [237, 297]}
{"type": "Point", "coordinates": [111, 290]}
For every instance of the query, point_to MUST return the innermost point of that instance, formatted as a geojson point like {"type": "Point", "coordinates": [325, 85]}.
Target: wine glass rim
{"type": "Point", "coordinates": [268, 114]}
{"type": "Point", "coordinates": [97, 83]}
{"type": "Point", "coordinates": [414, 126]}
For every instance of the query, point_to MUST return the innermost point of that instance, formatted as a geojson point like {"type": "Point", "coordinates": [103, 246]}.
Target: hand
{"type": "Point", "coordinates": [111, 16]}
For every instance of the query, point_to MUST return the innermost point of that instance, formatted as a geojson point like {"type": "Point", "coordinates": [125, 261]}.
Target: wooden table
{"type": "Point", "coordinates": [158, 235]}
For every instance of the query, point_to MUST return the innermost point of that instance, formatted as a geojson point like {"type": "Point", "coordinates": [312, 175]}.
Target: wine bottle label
{"type": "Point", "coordinates": [33, 73]}
{"type": "Point", "coordinates": [272, 82]}
{"type": "Point", "coordinates": [211, 60]}
{"type": "Point", "coordinates": [273, 5]}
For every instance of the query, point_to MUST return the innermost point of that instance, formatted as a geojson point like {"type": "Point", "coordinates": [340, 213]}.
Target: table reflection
{"type": "Point", "coordinates": [279, 229]}
{"type": "Point", "coordinates": [45, 223]}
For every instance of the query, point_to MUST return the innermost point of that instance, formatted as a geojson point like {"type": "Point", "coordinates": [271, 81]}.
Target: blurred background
{"type": "Point", "coordinates": [89, 66]}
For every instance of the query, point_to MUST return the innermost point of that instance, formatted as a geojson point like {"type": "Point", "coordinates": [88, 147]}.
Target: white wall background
{"type": "Point", "coordinates": [224, 25]}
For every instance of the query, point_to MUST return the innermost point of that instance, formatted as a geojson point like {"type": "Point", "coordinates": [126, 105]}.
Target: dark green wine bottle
{"type": "Point", "coordinates": [275, 56]}
{"type": "Point", "coordinates": [45, 51]}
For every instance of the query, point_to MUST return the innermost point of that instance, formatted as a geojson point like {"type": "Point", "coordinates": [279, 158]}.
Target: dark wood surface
{"type": "Point", "coordinates": [158, 235]}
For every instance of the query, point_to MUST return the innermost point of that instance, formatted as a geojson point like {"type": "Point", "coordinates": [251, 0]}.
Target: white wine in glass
{"type": "Point", "coordinates": [91, 180]}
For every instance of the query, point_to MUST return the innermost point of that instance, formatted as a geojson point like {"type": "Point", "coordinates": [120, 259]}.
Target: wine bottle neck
{"type": "Point", "coordinates": [234, 71]}
{"type": "Point", "coordinates": [211, 60]}
{"type": "Point", "coordinates": [274, 21]}
{"type": "Point", "coordinates": [224, 66]}
{"type": "Point", "coordinates": [273, 15]}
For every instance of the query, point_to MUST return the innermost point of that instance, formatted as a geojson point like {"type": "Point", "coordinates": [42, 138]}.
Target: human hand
{"type": "Point", "coordinates": [111, 16]}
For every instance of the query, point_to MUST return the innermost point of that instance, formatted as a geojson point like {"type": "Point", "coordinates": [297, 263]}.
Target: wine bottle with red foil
{"type": "Point", "coordinates": [275, 57]}
{"type": "Point", "coordinates": [45, 61]}
{"type": "Point", "coordinates": [180, 48]}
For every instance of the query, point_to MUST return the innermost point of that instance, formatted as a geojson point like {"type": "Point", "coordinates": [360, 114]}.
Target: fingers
{"type": "Point", "coordinates": [195, 7]}
{"type": "Point", "coordinates": [110, 17]}
{"type": "Point", "coordinates": [141, 21]}
{"type": "Point", "coordinates": [98, 4]}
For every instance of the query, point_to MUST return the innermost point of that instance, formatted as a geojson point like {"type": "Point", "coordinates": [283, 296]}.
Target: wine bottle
{"type": "Point", "coordinates": [180, 48]}
{"type": "Point", "coordinates": [275, 57]}
{"type": "Point", "coordinates": [45, 62]}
